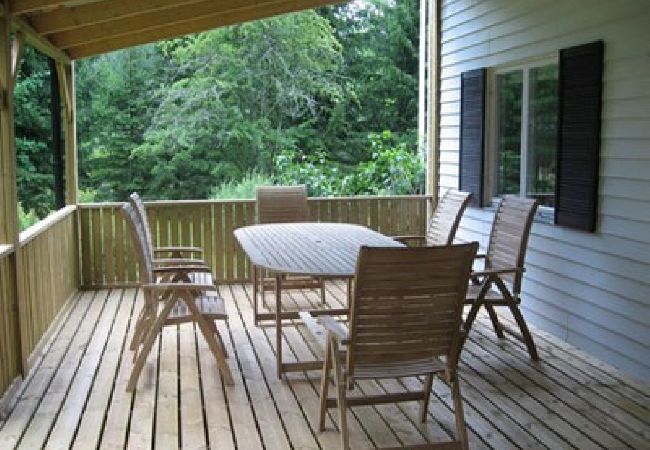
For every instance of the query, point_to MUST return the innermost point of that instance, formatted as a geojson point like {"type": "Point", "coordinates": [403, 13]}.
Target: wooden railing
{"type": "Point", "coordinates": [32, 294]}
{"type": "Point", "coordinates": [107, 257]}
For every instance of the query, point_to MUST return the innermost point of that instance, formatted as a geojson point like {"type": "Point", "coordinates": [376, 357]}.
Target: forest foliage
{"type": "Point", "coordinates": [326, 97]}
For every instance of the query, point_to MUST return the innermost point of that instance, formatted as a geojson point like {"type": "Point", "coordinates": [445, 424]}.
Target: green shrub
{"type": "Point", "coordinates": [241, 189]}
{"type": "Point", "coordinates": [394, 169]}
{"type": "Point", "coordinates": [26, 218]}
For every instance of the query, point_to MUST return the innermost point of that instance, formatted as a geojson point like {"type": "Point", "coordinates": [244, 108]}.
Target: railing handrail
{"type": "Point", "coordinates": [42, 226]}
{"type": "Point", "coordinates": [245, 200]}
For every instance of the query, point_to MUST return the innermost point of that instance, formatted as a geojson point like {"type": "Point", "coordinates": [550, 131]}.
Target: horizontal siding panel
{"type": "Point", "coordinates": [624, 188]}
{"type": "Point", "coordinates": [626, 208]}
{"type": "Point", "coordinates": [590, 289]}
{"type": "Point", "coordinates": [629, 332]}
{"type": "Point", "coordinates": [603, 290]}
{"type": "Point", "coordinates": [607, 353]}
{"type": "Point", "coordinates": [623, 148]}
{"type": "Point", "coordinates": [623, 249]}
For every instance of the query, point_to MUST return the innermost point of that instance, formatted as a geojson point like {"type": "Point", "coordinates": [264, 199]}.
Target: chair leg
{"type": "Point", "coordinates": [495, 321]}
{"type": "Point", "coordinates": [140, 326]}
{"type": "Point", "coordinates": [154, 330]}
{"type": "Point", "coordinates": [255, 294]}
{"type": "Point", "coordinates": [217, 350]}
{"type": "Point", "coordinates": [525, 333]}
{"type": "Point", "coordinates": [322, 292]}
{"type": "Point", "coordinates": [424, 407]}
{"type": "Point", "coordinates": [324, 387]}
{"type": "Point", "coordinates": [215, 331]}
{"type": "Point", "coordinates": [340, 399]}
{"type": "Point", "coordinates": [461, 431]}
{"type": "Point", "coordinates": [471, 316]}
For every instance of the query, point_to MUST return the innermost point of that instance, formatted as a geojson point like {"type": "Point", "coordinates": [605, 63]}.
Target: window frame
{"type": "Point", "coordinates": [544, 213]}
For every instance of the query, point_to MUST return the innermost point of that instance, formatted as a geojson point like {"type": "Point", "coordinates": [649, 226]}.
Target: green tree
{"type": "Point", "coordinates": [117, 98]}
{"type": "Point", "coordinates": [240, 96]}
{"type": "Point", "coordinates": [32, 96]}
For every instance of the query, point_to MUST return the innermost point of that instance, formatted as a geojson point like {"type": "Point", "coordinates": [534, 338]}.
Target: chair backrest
{"type": "Point", "coordinates": [277, 204]}
{"type": "Point", "coordinates": [446, 217]}
{"type": "Point", "coordinates": [407, 304]}
{"type": "Point", "coordinates": [509, 237]}
{"type": "Point", "coordinates": [141, 215]}
{"type": "Point", "coordinates": [143, 254]}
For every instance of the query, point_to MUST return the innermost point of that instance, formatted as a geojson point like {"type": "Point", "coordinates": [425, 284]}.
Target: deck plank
{"type": "Point", "coordinates": [68, 418]}
{"type": "Point", "coordinates": [607, 419]}
{"type": "Point", "coordinates": [76, 395]}
{"type": "Point", "coordinates": [43, 419]}
{"type": "Point", "coordinates": [119, 407]}
{"type": "Point", "coordinates": [88, 435]}
{"type": "Point", "coordinates": [30, 398]}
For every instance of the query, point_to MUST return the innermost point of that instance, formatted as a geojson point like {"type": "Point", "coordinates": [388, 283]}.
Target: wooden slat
{"type": "Point", "coordinates": [174, 29]}
{"type": "Point", "coordinates": [210, 224]}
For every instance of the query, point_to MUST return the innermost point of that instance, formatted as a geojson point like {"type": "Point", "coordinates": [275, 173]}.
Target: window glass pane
{"type": "Point", "coordinates": [509, 91]}
{"type": "Point", "coordinates": [542, 133]}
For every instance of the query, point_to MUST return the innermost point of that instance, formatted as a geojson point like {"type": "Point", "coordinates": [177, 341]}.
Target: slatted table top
{"type": "Point", "coordinates": [308, 248]}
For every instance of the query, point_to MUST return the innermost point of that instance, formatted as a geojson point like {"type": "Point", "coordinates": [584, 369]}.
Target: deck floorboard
{"type": "Point", "coordinates": [76, 397]}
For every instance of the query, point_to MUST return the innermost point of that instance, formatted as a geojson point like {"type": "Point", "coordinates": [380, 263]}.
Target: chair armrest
{"type": "Point", "coordinates": [177, 287]}
{"type": "Point", "coordinates": [407, 238]}
{"type": "Point", "coordinates": [178, 249]}
{"type": "Point", "coordinates": [335, 329]}
{"type": "Point", "coordinates": [181, 269]}
{"type": "Point", "coordinates": [482, 273]}
{"type": "Point", "coordinates": [179, 261]}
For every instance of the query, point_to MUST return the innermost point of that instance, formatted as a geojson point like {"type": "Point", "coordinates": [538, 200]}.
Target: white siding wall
{"type": "Point", "coordinates": [593, 290]}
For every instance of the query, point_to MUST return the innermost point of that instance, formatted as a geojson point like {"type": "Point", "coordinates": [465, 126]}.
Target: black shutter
{"type": "Point", "coordinates": [578, 156]}
{"type": "Point", "coordinates": [472, 133]}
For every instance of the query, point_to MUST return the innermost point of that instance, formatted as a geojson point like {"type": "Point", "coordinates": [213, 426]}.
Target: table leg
{"type": "Point", "coordinates": [254, 269]}
{"type": "Point", "coordinates": [278, 323]}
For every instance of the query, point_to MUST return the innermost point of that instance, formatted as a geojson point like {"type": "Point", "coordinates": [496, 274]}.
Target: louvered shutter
{"type": "Point", "coordinates": [579, 118]}
{"type": "Point", "coordinates": [472, 134]}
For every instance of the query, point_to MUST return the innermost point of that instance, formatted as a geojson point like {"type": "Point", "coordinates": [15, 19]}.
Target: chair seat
{"type": "Point", "coordinates": [210, 306]}
{"type": "Point", "coordinates": [493, 295]}
{"type": "Point", "coordinates": [399, 368]}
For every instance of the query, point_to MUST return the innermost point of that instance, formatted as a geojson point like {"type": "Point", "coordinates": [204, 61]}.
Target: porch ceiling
{"type": "Point", "coordinates": [80, 28]}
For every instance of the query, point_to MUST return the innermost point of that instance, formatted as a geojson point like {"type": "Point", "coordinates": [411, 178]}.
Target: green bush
{"type": "Point", "coordinates": [241, 189]}
{"type": "Point", "coordinates": [26, 218]}
{"type": "Point", "coordinates": [393, 169]}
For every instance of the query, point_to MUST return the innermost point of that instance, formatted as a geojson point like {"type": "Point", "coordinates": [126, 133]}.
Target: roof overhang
{"type": "Point", "coordinates": [72, 29]}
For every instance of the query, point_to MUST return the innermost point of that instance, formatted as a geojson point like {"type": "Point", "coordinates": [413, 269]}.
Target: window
{"type": "Point", "coordinates": [524, 130]}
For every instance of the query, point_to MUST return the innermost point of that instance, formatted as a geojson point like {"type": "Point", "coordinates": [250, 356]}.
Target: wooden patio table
{"type": "Point", "coordinates": [321, 250]}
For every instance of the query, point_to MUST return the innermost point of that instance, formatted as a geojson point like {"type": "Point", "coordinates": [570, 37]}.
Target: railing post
{"type": "Point", "coordinates": [65, 73]}
{"type": "Point", "coordinates": [433, 91]}
{"type": "Point", "coordinates": [10, 53]}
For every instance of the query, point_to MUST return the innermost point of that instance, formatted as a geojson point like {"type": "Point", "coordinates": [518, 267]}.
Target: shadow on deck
{"type": "Point", "coordinates": [76, 398]}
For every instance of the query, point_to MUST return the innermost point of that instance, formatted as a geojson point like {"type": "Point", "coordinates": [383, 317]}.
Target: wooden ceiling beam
{"type": "Point", "coordinates": [194, 26]}
{"type": "Point", "coordinates": [151, 20]}
{"type": "Point", "coordinates": [73, 17]}
{"type": "Point", "coordinates": [42, 44]}
{"type": "Point", "coordinates": [19, 7]}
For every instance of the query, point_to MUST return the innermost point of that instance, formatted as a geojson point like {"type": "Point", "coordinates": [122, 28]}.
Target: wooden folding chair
{"type": "Point", "coordinates": [499, 284]}
{"type": "Point", "coordinates": [173, 269]}
{"type": "Point", "coordinates": [168, 303]}
{"type": "Point", "coordinates": [178, 255]}
{"type": "Point", "coordinates": [424, 287]}
{"type": "Point", "coordinates": [444, 220]}
{"type": "Point", "coordinates": [285, 204]}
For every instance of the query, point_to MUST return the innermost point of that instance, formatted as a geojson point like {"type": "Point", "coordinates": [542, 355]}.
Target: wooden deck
{"type": "Point", "coordinates": [76, 396]}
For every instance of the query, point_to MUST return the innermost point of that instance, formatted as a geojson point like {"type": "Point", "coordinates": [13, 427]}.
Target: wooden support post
{"type": "Point", "coordinates": [10, 53]}
{"type": "Point", "coordinates": [433, 100]}
{"type": "Point", "coordinates": [67, 88]}
{"type": "Point", "coordinates": [57, 153]}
